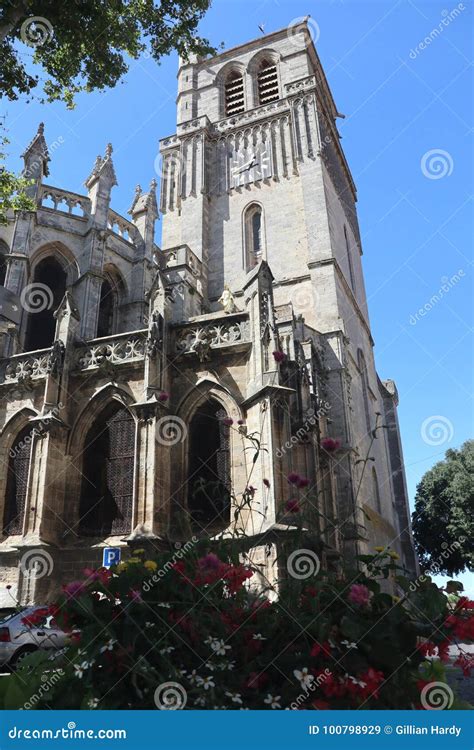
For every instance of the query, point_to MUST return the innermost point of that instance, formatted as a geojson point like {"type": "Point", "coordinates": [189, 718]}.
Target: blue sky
{"type": "Point", "coordinates": [408, 139]}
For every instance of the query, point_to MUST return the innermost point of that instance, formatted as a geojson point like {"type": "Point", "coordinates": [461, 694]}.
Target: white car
{"type": "Point", "coordinates": [18, 639]}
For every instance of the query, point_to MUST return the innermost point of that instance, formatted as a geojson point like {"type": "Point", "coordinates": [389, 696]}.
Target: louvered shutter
{"type": "Point", "coordinates": [17, 484]}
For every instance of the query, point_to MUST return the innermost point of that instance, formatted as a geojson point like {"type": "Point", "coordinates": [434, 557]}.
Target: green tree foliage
{"type": "Point", "coordinates": [13, 194]}
{"type": "Point", "coordinates": [443, 521]}
{"type": "Point", "coordinates": [87, 45]}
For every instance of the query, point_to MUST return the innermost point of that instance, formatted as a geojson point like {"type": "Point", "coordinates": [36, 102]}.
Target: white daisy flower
{"type": "Point", "coordinates": [93, 702]}
{"type": "Point", "coordinates": [235, 697]}
{"type": "Point", "coordinates": [217, 645]}
{"type": "Point", "coordinates": [78, 671]}
{"type": "Point", "coordinates": [109, 646]}
{"type": "Point", "coordinates": [167, 650]}
{"type": "Point", "coordinates": [193, 677]}
{"type": "Point", "coordinates": [258, 637]}
{"type": "Point", "coordinates": [348, 644]}
{"type": "Point", "coordinates": [272, 700]}
{"type": "Point", "coordinates": [304, 676]}
{"type": "Point", "coordinates": [205, 682]}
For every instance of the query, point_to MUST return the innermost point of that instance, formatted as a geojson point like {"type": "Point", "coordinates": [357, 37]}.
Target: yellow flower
{"type": "Point", "coordinates": [121, 567]}
{"type": "Point", "coordinates": [396, 599]}
{"type": "Point", "coordinates": [139, 552]}
{"type": "Point", "coordinates": [379, 549]}
{"type": "Point", "coordinates": [394, 555]}
{"type": "Point", "coordinates": [150, 565]}
{"type": "Point", "coordinates": [134, 560]}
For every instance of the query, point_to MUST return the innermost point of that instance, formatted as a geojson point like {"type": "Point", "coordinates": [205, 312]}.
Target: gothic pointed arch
{"type": "Point", "coordinates": [231, 85]}
{"type": "Point", "coordinates": [209, 453]}
{"type": "Point", "coordinates": [209, 479]}
{"type": "Point", "coordinates": [107, 488]}
{"type": "Point", "coordinates": [365, 388]}
{"type": "Point", "coordinates": [254, 235]}
{"type": "Point", "coordinates": [112, 293]}
{"type": "Point", "coordinates": [3, 261]}
{"type": "Point", "coordinates": [264, 71]}
{"type": "Point", "coordinates": [16, 445]}
{"type": "Point", "coordinates": [53, 270]}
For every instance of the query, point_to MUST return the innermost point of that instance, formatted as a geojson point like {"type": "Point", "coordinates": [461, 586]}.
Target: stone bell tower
{"type": "Point", "coordinates": [256, 171]}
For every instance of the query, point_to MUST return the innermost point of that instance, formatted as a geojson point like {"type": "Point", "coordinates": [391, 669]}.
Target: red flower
{"type": "Point", "coordinates": [320, 648]}
{"type": "Point", "coordinates": [279, 356]}
{"type": "Point", "coordinates": [330, 445]}
{"type": "Point", "coordinates": [210, 562]}
{"type": "Point", "coordinates": [256, 680]}
{"type": "Point", "coordinates": [228, 421]}
{"type": "Point", "coordinates": [163, 396]}
{"type": "Point", "coordinates": [266, 483]}
{"type": "Point", "coordinates": [359, 594]}
{"type": "Point", "coordinates": [302, 482]}
{"type": "Point", "coordinates": [292, 506]}
{"type": "Point", "coordinates": [74, 589]}
{"type": "Point", "coordinates": [293, 477]}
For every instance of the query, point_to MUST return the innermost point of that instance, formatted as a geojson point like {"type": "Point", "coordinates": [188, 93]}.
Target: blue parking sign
{"type": "Point", "coordinates": [111, 556]}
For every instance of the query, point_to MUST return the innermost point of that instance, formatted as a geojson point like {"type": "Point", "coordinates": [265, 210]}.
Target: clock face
{"type": "Point", "coordinates": [249, 164]}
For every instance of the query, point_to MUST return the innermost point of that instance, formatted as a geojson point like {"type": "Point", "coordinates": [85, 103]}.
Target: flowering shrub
{"type": "Point", "coordinates": [192, 633]}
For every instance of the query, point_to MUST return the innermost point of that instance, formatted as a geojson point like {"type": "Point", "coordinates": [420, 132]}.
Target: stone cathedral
{"type": "Point", "coordinates": [124, 362]}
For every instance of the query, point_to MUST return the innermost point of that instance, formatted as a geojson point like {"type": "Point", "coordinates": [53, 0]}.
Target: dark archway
{"type": "Point", "coordinates": [209, 468]}
{"type": "Point", "coordinates": [17, 483]}
{"type": "Point", "coordinates": [107, 308]}
{"type": "Point", "coordinates": [107, 487]}
{"type": "Point", "coordinates": [43, 298]}
{"type": "Point", "coordinates": [3, 263]}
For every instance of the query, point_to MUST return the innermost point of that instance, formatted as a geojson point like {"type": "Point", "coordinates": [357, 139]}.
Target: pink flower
{"type": "Point", "coordinates": [228, 421]}
{"type": "Point", "coordinates": [266, 483]}
{"type": "Point", "coordinates": [135, 596]}
{"type": "Point", "coordinates": [330, 445]}
{"type": "Point", "coordinates": [359, 594]}
{"type": "Point", "coordinates": [292, 506]}
{"type": "Point", "coordinates": [73, 589]}
{"type": "Point", "coordinates": [163, 396]}
{"type": "Point", "coordinates": [279, 356]}
{"type": "Point", "coordinates": [210, 562]}
{"type": "Point", "coordinates": [302, 482]}
{"type": "Point", "coordinates": [293, 477]}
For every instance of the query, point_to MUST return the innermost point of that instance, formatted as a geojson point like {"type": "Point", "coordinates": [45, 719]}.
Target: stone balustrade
{"type": "Point", "coordinates": [123, 348]}
{"type": "Point", "coordinates": [200, 337]}
{"type": "Point", "coordinates": [25, 368]}
{"type": "Point", "coordinates": [56, 199]}
{"type": "Point", "coordinates": [120, 226]}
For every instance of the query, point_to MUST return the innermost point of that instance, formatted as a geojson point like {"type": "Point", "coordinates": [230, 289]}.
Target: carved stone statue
{"type": "Point", "coordinates": [227, 300]}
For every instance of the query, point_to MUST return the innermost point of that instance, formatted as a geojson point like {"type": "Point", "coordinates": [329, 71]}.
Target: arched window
{"type": "Point", "coordinates": [253, 229]}
{"type": "Point", "coordinates": [376, 492]}
{"type": "Point", "coordinates": [107, 310]}
{"type": "Point", "coordinates": [17, 483]}
{"type": "Point", "coordinates": [209, 468]}
{"type": "Point", "coordinates": [107, 485]}
{"type": "Point", "coordinates": [365, 388]}
{"type": "Point", "coordinates": [267, 82]}
{"type": "Point", "coordinates": [349, 259]}
{"type": "Point", "coordinates": [234, 93]}
{"type": "Point", "coordinates": [42, 298]}
{"type": "Point", "coordinates": [3, 263]}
